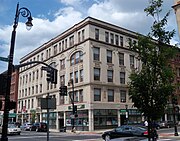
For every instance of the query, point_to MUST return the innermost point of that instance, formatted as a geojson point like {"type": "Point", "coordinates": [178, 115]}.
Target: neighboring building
{"type": "Point", "coordinates": [93, 53]}
{"type": "Point", "coordinates": [13, 96]}
{"type": "Point", "coordinates": [176, 8]}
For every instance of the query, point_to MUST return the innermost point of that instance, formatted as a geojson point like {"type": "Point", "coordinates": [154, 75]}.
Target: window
{"type": "Point", "coordinates": [76, 76]}
{"type": "Point", "coordinates": [71, 41]}
{"type": "Point", "coordinates": [122, 95]}
{"type": "Point", "coordinates": [81, 75]}
{"type": "Point", "coordinates": [97, 94]}
{"type": "Point", "coordinates": [112, 38]}
{"type": "Point", "coordinates": [37, 74]}
{"type": "Point", "coordinates": [76, 58]}
{"type": "Point", "coordinates": [36, 89]}
{"type": "Point", "coordinates": [79, 37]}
{"type": "Point", "coordinates": [61, 100]}
{"type": "Point", "coordinates": [107, 37]}
{"type": "Point", "coordinates": [122, 77]}
{"type": "Point", "coordinates": [110, 95]}
{"type": "Point", "coordinates": [96, 34]}
{"type": "Point", "coordinates": [110, 75]}
{"type": "Point", "coordinates": [80, 95]}
{"type": "Point", "coordinates": [131, 61]}
{"type": "Point", "coordinates": [59, 46]}
{"type": "Point", "coordinates": [117, 40]}
{"type": "Point", "coordinates": [62, 64]}
{"type": "Point", "coordinates": [62, 45]}
{"type": "Point", "coordinates": [32, 103]}
{"type": "Point", "coordinates": [33, 75]}
{"type": "Point", "coordinates": [121, 41]}
{"type": "Point", "coordinates": [76, 96]}
{"type": "Point", "coordinates": [55, 49]}
{"type": "Point", "coordinates": [96, 73]}
{"type": "Point", "coordinates": [83, 35]}
{"type": "Point", "coordinates": [38, 58]}
{"type": "Point", "coordinates": [96, 53]}
{"type": "Point", "coordinates": [32, 89]}
{"type": "Point", "coordinates": [65, 43]}
{"type": "Point", "coordinates": [62, 80]}
{"type": "Point", "coordinates": [40, 88]}
{"type": "Point", "coordinates": [109, 56]}
{"type": "Point", "coordinates": [42, 54]}
{"type": "Point", "coordinates": [121, 59]}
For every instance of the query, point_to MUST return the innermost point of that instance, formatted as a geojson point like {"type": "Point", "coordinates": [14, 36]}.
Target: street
{"type": "Point", "coordinates": [60, 136]}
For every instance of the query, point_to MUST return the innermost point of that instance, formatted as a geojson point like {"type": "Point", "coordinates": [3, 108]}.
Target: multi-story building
{"type": "Point", "coordinates": [13, 96]}
{"type": "Point", "coordinates": [176, 8]}
{"type": "Point", "coordinates": [93, 53]}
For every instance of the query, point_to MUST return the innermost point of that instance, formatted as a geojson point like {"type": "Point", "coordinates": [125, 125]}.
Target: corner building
{"type": "Point", "coordinates": [93, 53]}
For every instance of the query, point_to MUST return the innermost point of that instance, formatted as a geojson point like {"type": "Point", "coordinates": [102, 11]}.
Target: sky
{"type": "Point", "coordinates": [52, 17]}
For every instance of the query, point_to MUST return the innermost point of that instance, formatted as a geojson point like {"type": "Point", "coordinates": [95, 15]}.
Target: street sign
{"type": "Point", "coordinates": [4, 59]}
{"type": "Point", "coordinates": [48, 103]}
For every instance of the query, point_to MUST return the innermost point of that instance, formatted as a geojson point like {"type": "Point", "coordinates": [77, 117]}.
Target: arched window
{"type": "Point", "coordinates": [76, 58]}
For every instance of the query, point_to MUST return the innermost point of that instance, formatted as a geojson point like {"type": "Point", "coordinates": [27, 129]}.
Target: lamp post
{"type": "Point", "coordinates": [72, 101]}
{"type": "Point", "coordinates": [126, 113]}
{"type": "Point", "coordinates": [25, 13]}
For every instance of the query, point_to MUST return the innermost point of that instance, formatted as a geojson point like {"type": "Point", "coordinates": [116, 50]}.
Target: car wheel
{"type": "Point", "coordinates": [107, 138]}
{"type": "Point", "coordinates": [19, 133]}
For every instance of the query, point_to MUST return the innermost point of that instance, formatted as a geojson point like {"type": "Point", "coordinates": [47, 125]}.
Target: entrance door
{"type": "Point", "coordinates": [123, 120]}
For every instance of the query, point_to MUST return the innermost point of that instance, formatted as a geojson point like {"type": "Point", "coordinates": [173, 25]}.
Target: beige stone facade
{"type": "Point", "coordinates": [96, 56]}
{"type": "Point", "coordinates": [176, 8]}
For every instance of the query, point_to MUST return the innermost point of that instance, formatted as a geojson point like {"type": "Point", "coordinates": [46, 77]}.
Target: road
{"type": "Point", "coordinates": [59, 136]}
{"type": "Point", "coordinates": [42, 136]}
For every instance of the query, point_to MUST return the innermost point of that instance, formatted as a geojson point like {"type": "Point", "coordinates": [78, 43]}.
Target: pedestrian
{"type": "Point", "coordinates": [146, 123]}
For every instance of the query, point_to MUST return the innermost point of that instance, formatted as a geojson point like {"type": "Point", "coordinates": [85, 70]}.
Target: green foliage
{"type": "Point", "coordinates": [151, 87]}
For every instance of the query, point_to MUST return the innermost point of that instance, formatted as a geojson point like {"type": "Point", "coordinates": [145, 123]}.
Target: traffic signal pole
{"type": "Point", "coordinates": [73, 106]}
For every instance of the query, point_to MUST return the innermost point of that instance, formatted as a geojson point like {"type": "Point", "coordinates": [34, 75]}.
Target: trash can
{"type": "Point", "coordinates": [62, 129]}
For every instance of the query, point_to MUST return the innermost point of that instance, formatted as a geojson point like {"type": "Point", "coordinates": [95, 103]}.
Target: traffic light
{"type": "Point", "coordinates": [3, 84]}
{"type": "Point", "coordinates": [52, 75]}
{"type": "Point", "coordinates": [75, 111]}
{"type": "Point", "coordinates": [174, 100]}
{"type": "Point", "coordinates": [63, 90]}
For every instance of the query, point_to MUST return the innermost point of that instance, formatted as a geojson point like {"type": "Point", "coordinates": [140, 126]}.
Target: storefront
{"type": "Point", "coordinates": [105, 119]}
{"type": "Point", "coordinates": [130, 116]}
{"type": "Point", "coordinates": [81, 122]}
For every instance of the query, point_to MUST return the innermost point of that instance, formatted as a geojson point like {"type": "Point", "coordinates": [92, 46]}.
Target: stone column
{"type": "Point", "coordinates": [91, 119]}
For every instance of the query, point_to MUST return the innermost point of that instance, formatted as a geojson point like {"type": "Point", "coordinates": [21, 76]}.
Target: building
{"type": "Point", "coordinates": [13, 95]}
{"type": "Point", "coordinates": [176, 8]}
{"type": "Point", "coordinates": [93, 53]}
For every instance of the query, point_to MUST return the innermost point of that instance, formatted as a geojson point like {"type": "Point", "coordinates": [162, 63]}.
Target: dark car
{"type": "Point", "coordinates": [125, 131]}
{"type": "Point", "coordinates": [166, 124]}
{"type": "Point", "coordinates": [39, 127]}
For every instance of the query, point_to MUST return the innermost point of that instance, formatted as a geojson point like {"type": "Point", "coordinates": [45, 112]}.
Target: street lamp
{"type": "Point", "coordinates": [71, 82]}
{"type": "Point", "coordinates": [126, 113]}
{"type": "Point", "coordinates": [25, 13]}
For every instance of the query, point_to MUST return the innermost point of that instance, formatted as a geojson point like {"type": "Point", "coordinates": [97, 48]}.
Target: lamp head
{"type": "Point", "coordinates": [29, 23]}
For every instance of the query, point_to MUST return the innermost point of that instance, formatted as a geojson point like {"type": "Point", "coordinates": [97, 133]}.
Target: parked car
{"type": "Point", "coordinates": [125, 131]}
{"type": "Point", "coordinates": [166, 124]}
{"type": "Point", "coordinates": [39, 126]}
{"type": "Point", "coordinates": [26, 126]}
{"type": "Point", "coordinates": [12, 129]}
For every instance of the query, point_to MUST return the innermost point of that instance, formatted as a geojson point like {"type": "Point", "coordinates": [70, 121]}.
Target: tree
{"type": "Point", "coordinates": [151, 87]}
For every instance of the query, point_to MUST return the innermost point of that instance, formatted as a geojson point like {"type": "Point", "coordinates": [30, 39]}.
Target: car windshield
{"type": "Point", "coordinates": [11, 126]}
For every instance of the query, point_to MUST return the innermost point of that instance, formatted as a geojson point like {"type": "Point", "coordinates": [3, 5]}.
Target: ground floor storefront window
{"type": "Point", "coordinates": [81, 122]}
{"type": "Point", "coordinates": [52, 119]}
{"type": "Point", "coordinates": [105, 118]}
